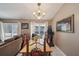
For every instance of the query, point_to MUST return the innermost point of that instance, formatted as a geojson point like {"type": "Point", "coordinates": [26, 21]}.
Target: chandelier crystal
{"type": "Point", "coordinates": [39, 13]}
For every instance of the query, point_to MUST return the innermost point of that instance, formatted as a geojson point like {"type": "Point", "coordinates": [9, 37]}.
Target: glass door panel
{"type": "Point", "coordinates": [39, 29]}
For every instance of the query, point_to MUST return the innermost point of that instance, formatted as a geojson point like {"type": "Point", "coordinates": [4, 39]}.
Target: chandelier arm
{"type": "Point", "coordinates": [39, 13]}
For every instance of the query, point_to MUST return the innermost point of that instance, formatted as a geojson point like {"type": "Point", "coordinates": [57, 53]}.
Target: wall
{"type": "Point", "coordinates": [68, 42]}
{"type": "Point", "coordinates": [50, 22]}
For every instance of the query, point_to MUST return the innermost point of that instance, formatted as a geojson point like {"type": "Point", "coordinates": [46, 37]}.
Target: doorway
{"type": "Point", "coordinates": [39, 29]}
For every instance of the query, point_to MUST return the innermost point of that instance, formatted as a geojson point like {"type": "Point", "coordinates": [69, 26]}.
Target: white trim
{"type": "Point", "coordinates": [60, 51]}
{"type": "Point", "coordinates": [19, 28]}
{"type": "Point", "coordinates": [2, 31]}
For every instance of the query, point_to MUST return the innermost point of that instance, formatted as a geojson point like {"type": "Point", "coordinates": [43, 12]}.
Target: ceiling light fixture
{"type": "Point", "coordinates": [39, 13]}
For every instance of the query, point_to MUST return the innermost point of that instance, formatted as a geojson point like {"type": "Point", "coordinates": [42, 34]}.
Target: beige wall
{"type": "Point", "coordinates": [68, 42]}
{"type": "Point", "coordinates": [50, 22]}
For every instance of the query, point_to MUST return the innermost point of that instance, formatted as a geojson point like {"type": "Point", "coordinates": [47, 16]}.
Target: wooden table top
{"type": "Point", "coordinates": [24, 50]}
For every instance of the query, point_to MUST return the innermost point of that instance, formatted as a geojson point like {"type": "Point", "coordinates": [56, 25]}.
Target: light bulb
{"type": "Point", "coordinates": [39, 17]}
{"type": "Point", "coordinates": [43, 14]}
{"type": "Point", "coordinates": [34, 13]}
{"type": "Point", "coordinates": [39, 11]}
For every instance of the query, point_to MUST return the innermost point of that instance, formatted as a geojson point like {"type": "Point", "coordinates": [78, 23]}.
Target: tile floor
{"type": "Point", "coordinates": [57, 52]}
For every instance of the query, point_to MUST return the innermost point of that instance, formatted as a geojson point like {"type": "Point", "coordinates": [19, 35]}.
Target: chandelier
{"type": "Point", "coordinates": [39, 13]}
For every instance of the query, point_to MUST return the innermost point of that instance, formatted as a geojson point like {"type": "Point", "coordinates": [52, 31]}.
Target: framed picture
{"type": "Point", "coordinates": [66, 25]}
{"type": "Point", "coordinates": [24, 26]}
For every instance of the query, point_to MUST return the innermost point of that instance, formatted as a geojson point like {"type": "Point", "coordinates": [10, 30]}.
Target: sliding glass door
{"type": "Point", "coordinates": [39, 29]}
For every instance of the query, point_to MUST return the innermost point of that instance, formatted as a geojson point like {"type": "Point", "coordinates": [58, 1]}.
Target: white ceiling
{"type": "Point", "coordinates": [25, 10]}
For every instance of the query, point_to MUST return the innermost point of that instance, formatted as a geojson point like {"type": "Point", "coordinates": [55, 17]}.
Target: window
{"type": "Point", "coordinates": [14, 29]}
{"type": "Point", "coordinates": [39, 28]}
{"type": "Point", "coordinates": [7, 30]}
{"type": "Point", "coordinates": [10, 29]}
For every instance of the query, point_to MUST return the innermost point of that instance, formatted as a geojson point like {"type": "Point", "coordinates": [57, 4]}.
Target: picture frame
{"type": "Point", "coordinates": [24, 26]}
{"type": "Point", "coordinates": [66, 25]}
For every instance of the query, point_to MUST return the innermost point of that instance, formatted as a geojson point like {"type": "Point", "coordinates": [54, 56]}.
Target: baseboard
{"type": "Point", "coordinates": [60, 51]}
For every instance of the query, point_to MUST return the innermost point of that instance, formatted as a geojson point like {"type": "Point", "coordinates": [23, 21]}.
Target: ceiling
{"type": "Point", "coordinates": [25, 10]}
